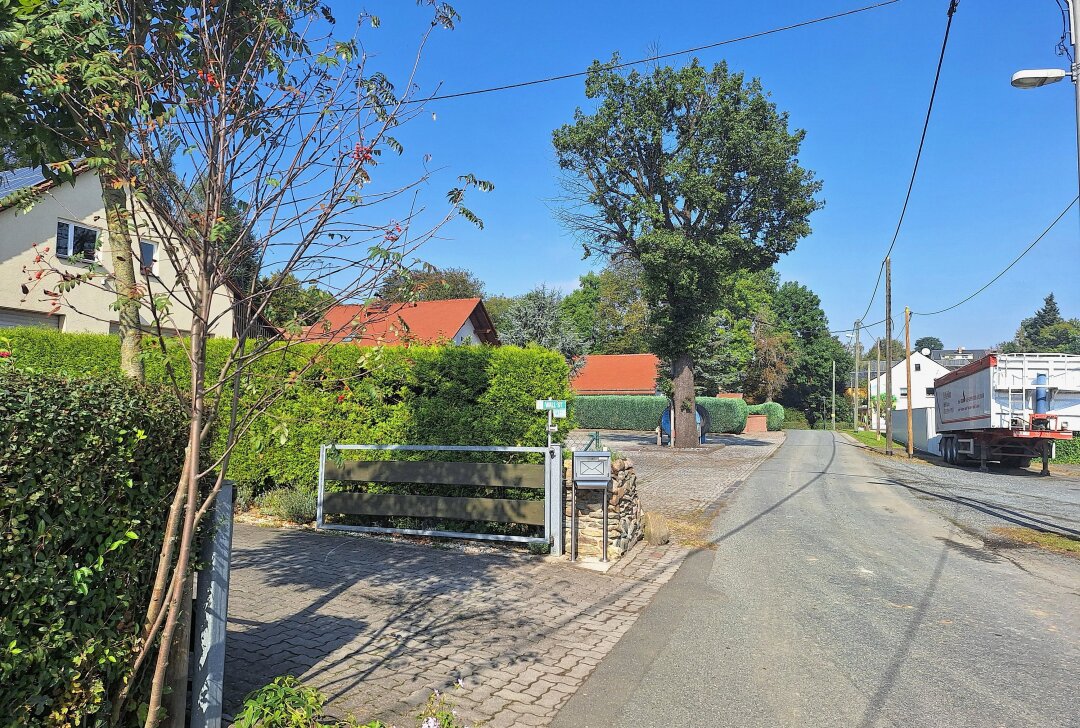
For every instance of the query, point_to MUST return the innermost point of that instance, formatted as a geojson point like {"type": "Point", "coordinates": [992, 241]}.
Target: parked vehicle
{"type": "Point", "coordinates": [1008, 408]}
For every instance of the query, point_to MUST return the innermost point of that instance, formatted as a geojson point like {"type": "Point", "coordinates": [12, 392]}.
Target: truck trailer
{"type": "Point", "coordinates": [1008, 408]}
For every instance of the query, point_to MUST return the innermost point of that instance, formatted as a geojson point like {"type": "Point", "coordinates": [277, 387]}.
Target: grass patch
{"type": "Point", "coordinates": [871, 438]}
{"type": "Point", "coordinates": [1050, 541]}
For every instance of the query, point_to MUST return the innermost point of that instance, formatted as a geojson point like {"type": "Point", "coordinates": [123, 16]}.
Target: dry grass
{"type": "Point", "coordinates": [692, 530]}
{"type": "Point", "coordinates": [1050, 541]}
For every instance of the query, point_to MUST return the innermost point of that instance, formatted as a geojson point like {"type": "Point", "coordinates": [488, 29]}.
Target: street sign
{"type": "Point", "coordinates": [557, 407]}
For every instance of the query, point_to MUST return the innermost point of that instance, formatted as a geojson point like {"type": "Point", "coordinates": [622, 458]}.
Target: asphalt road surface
{"type": "Point", "coordinates": [836, 597]}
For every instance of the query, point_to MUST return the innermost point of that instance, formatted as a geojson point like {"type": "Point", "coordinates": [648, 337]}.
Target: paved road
{"type": "Point", "coordinates": [835, 597]}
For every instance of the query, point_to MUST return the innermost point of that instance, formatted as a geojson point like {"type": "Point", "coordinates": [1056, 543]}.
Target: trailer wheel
{"type": "Point", "coordinates": [948, 446]}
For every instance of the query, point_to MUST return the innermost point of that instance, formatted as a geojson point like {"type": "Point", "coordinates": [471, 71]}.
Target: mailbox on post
{"type": "Point", "coordinates": [592, 471]}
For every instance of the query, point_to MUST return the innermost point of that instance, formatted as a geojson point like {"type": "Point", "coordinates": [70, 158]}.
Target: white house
{"type": "Point", "coordinates": [69, 220]}
{"type": "Point", "coordinates": [924, 371]}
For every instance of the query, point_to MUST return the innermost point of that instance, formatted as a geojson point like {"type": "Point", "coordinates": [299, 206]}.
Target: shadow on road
{"type": "Point", "coordinates": [991, 509]}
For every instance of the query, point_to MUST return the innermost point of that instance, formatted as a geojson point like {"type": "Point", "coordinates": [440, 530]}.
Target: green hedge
{"type": "Point", "coordinates": [1068, 451]}
{"type": "Point", "coordinates": [87, 469]}
{"type": "Point", "coordinates": [774, 414]}
{"type": "Point", "coordinates": [643, 412]}
{"type": "Point", "coordinates": [728, 414]}
{"type": "Point", "coordinates": [619, 411]}
{"type": "Point", "coordinates": [460, 395]}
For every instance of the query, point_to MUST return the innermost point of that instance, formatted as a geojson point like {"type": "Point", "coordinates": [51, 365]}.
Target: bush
{"type": "Point", "coordinates": [795, 420]}
{"type": "Point", "coordinates": [298, 506]}
{"type": "Point", "coordinates": [87, 470]}
{"type": "Point", "coordinates": [450, 395]}
{"type": "Point", "coordinates": [727, 414]}
{"type": "Point", "coordinates": [619, 411]}
{"type": "Point", "coordinates": [774, 414]}
{"type": "Point", "coordinates": [1068, 451]}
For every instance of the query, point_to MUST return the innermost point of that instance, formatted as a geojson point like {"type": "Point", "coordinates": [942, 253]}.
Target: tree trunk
{"type": "Point", "coordinates": [114, 196]}
{"type": "Point", "coordinates": [682, 375]}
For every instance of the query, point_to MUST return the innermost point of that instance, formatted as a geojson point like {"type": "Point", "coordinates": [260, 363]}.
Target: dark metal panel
{"type": "Point", "coordinates": [494, 475]}
{"type": "Point", "coordinates": [500, 510]}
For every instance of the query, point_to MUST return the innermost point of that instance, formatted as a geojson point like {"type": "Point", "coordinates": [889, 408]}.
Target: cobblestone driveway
{"type": "Point", "coordinates": [377, 625]}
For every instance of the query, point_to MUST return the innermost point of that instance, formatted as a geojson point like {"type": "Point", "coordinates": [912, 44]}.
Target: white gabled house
{"type": "Point", "coordinates": [69, 220]}
{"type": "Point", "coordinates": [920, 393]}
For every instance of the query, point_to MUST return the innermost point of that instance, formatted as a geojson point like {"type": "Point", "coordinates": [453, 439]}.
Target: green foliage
{"type": "Point", "coordinates": [928, 342]}
{"type": "Point", "coordinates": [430, 284]}
{"type": "Point", "coordinates": [794, 420]}
{"type": "Point", "coordinates": [459, 395]}
{"type": "Point", "coordinates": [287, 703]}
{"type": "Point", "coordinates": [798, 311]}
{"type": "Point", "coordinates": [284, 703]}
{"type": "Point", "coordinates": [619, 411]}
{"type": "Point", "coordinates": [87, 469]}
{"type": "Point", "coordinates": [1068, 451]}
{"type": "Point", "coordinates": [726, 414]}
{"type": "Point", "coordinates": [538, 318]}
{"type": "Point", "coordinates": [293, 304]}
{"type": "Point", "coordinates": [297, 506]}
{"type": "Point", "coordinates": [609, 312]}
{"type": "Point", "coordinates": [1046, 332]}
{"type": "Point", "coordinates": [774, 414]}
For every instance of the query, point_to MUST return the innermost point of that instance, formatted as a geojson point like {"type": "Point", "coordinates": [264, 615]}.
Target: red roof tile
{"type": "Point", "coordinates": [423, 322]}
{"type": "Point", "coordinates": [617, 374]}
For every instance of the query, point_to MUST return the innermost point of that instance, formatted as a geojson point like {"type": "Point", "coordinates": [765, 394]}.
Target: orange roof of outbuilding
{"type": "Point", "coordinates": [617, 374]}
{"type": "Point", "coordinates": [422, 322]}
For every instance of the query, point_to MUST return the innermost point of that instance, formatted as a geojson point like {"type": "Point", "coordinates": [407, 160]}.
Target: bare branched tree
{"type": "Point", "coordinates": [255, 154]}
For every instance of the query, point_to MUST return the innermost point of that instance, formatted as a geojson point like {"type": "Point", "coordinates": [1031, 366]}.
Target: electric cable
{"type": "Point", "coordinates": [918, 155]}
{"type": "Point", "coordinates": [1006, 269]}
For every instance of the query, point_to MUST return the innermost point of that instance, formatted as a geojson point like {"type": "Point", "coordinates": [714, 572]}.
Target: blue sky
{"type": "Point", "coordinates": [998, 166]}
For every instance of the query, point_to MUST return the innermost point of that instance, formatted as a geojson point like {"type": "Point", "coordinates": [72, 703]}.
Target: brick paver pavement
{"type": "Point", "coordinates": [377, 625]}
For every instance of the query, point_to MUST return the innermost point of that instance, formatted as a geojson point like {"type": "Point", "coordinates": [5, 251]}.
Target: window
{"type": "Point", "coordinates": [903, 391]}
{"type": "Point", "coordinates": [148, 257]}
{"type": "Point", "coordinates": [930, 391]}
{"type": "Point", "coordinates": [76, 241]}
{"type": "Point", "coordinates": [918, 367]}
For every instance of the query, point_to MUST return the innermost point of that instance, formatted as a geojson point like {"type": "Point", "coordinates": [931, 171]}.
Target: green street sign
{"type": "Point", "coordinates": [557, 407]}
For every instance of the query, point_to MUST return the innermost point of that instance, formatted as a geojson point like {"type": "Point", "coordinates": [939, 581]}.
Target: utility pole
{"type": "Point", "coordinates": [888, 356]}
{"type": "Point", "coordinates": [877, 367]}
{"type": "Point", "coordinates": [855, 389]}
{"type": "Point", "coordinates": [834, 395]}
{"type": "Point", "coordinates": [910, 389]}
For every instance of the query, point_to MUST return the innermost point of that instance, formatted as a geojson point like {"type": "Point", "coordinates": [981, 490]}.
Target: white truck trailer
{"type": "Point", "coordinates": [1008, 408]}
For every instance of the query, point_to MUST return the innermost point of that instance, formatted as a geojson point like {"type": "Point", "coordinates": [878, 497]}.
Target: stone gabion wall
{"type": "Point", "coordinates": [624, 513]}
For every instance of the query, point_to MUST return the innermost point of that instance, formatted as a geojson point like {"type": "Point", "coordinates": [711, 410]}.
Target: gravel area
{"type": "Point", "coordinates": [981, 501]}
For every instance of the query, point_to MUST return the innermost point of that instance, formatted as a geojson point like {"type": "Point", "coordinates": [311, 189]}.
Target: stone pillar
{"type": "Point", "coordinates": [624, 513]}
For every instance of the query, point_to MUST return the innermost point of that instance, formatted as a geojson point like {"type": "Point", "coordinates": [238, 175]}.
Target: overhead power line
{"type": "Point", "coordinates": [918, 155]}
{"type": "Point", "coordinates": [650, 59]}
{"type": "Point", "coordinates": [1004, 270]}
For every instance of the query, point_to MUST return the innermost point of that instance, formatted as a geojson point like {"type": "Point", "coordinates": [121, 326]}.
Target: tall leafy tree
{"type": "Point", "coordinates": [537, 318]}
{"type": "Point", "coordinates": [691, 173]}
{"type": "Point", "coordinates": [798, 310]}
{"type": "Point", "coordinates": [609, 311]}
{"type": "Point", "coordinates": [1046, 331]}
{"type": "Point", "coordinates": [928, 342]}
{"type": "Point", "coordinates": [430, 284]}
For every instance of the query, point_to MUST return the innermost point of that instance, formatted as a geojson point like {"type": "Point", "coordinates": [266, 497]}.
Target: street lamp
{"type": "Point", "coordinates": [1035, 78]}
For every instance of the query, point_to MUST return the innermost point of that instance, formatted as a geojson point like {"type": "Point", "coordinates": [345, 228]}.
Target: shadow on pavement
{"type": "Point", "coordinates": [991, 509]}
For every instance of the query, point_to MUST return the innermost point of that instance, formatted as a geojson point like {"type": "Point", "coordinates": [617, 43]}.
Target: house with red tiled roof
{"type": "Point", "coordinates": [456, 320]}
{"type": "Point", "coordinates": [617, 374]}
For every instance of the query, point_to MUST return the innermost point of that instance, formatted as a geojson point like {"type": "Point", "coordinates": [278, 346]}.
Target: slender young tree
{"type": "Point", "coordinates": [263, 103]}
{"type": "Point", "coordinates": [692, 173]}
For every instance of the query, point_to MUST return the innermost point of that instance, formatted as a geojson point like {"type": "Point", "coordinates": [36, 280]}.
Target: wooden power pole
{"type": "Point", "coordinates": [888, 356]}
{"type": "Point", "coordinates": [910, 389]}
{"type": "Point", "coordinates": [855, 387]}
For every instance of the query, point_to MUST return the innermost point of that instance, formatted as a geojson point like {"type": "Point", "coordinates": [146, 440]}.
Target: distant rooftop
{"type": "Point", "coordinates": [16, 179]}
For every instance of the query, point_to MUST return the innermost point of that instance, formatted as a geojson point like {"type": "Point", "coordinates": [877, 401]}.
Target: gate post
{"type": "Point", "coordinates": [554, 497]}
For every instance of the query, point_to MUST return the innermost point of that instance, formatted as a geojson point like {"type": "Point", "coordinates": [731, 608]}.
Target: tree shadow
{"type": "Point", "coordinates": [339, 611]}
{"type": "Point", "coordinates": [991, 509]}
